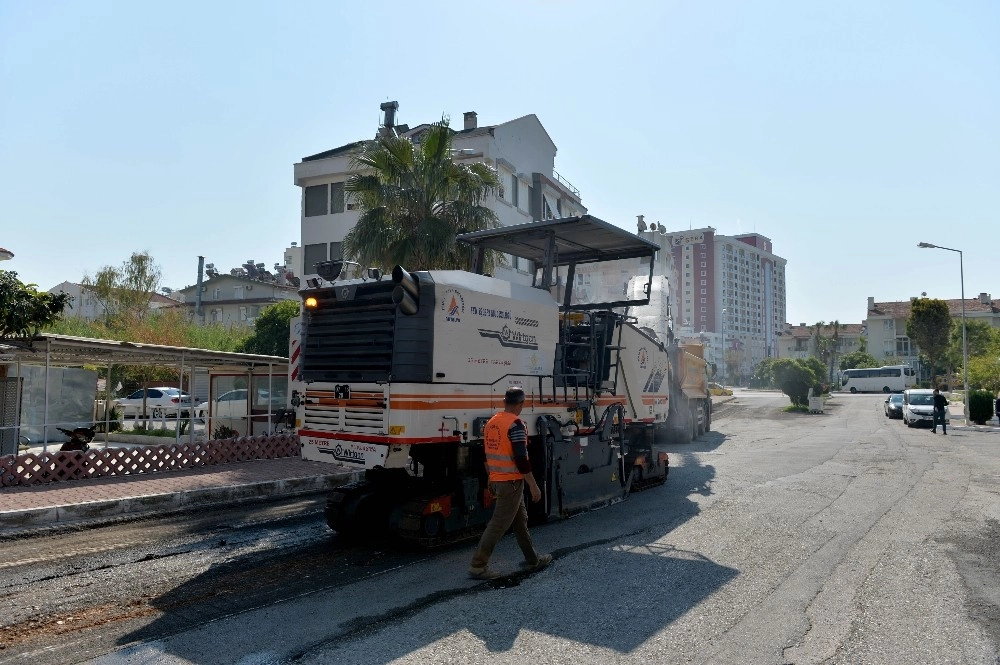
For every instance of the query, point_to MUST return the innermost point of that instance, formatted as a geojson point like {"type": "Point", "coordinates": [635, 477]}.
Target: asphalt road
{"type": "Point", "coordinates": [840, 537]}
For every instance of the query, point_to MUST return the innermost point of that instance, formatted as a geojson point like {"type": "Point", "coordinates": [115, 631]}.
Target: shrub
{"type": "Point", "coordinates": [980, 406]}
{"type": "Point", "coordinates": [223, 432]}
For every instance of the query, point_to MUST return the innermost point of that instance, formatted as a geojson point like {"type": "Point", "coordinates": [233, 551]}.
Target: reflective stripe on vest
{"type": "Point", "coordinates": [499, 449]}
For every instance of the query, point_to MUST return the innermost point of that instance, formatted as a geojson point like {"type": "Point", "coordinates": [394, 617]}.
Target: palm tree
{"type": "Point", "coordinates": [414, 199]}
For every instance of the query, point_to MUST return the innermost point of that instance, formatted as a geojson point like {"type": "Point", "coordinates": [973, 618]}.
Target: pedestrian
{"type": "Point", "coordinates": [996, 408]}
{"type": "Point", "coordinates": [505, 439]}
{"type": "Point", "coordinates": [940, 412]}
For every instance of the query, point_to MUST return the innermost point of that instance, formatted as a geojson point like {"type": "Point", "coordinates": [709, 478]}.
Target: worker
{"type": "Point", "coordinates": [506, 443]}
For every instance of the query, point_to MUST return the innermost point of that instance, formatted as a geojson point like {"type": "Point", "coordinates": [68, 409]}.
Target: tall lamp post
{"type": "Point", "coordinates": [965, 341]}
{"type": "Point", "coordinates": [723, 347]}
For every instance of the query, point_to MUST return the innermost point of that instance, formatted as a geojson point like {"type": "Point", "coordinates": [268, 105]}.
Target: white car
{"type": "Point", "coordinates": [918, 407]}
{"type": "Point", "coordinates": [161, 401]}
{"type": "Point", "coordinates": [232, 404]}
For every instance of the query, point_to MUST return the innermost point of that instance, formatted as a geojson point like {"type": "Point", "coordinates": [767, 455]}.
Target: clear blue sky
{"type": "Point", "coordinates": [844, 131]}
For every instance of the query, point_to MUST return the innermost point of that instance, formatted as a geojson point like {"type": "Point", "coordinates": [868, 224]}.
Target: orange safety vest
{"type": "Point", "coordinates": [499, 449]}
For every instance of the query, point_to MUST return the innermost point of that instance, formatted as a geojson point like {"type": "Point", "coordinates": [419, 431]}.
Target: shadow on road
{"type": "Point", "coordinates": [627, 584]}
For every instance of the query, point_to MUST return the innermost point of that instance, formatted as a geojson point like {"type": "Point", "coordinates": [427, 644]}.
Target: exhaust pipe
{"type": "Point", "coordinates": [406, 295]}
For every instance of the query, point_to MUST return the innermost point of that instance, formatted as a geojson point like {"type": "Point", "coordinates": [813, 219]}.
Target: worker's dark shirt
{"type": "Point", "coordinates": [518, 435]}
{"type": "Point", "coordinates": [940, 402]}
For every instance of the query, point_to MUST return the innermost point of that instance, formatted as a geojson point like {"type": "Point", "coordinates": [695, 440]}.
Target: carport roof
{"type": "Point", "coordinates": [68, 351]}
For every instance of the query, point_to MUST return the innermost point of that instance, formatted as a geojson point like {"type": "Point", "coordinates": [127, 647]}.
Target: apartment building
{"type": "Point", "coordinates": [233, 300]}
{"type": "Point", "coordinates": [520, 150]}
{"type": "Point", "coordinates": [730, 293]}
{"type": "Point", "coordinates": [800, 341]}
{"type": "Point", "coordinates": [84, 303]}
{"type": "Point", "coordinates": [885, 325]}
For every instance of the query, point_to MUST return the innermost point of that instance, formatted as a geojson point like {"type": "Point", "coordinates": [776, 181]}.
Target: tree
{"type": "Point", "coordinates": [271, 330]}
{"type": "Point", "coordinates": [24, 310]}
{"type": "Point", "coordinates": [125, 292]}
{"type": "Point", "coordinates": [929, 325]}
{"type": "Point", "coordinates": [796, 376]}
{"type": "Point", "coordinates": [860, 358]}
{"type": "Point", "coordinates": [763, 373]}
{"type": "Point", "coordinates": [414, 199]}
{"type": "Point", "coordinates": [827, 347]}
{"type": "Point", "coordinates": [980, 336]}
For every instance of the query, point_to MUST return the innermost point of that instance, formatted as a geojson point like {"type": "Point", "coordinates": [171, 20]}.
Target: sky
{"type": "Point", "coordinates": [846, 132]}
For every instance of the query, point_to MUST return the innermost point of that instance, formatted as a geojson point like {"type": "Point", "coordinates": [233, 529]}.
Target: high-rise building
{"type": "Point", "coordinates": [729, 292]}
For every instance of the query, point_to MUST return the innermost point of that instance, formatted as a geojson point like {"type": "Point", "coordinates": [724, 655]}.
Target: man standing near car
{"type": "Point", "coordinates": [505, 440]}
{"type": "Point", "coordinates": [940, 412]}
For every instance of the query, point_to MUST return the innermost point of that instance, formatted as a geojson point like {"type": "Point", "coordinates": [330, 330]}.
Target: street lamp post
{"type": "Point", "coordinates": [723, 347]}
{"type": "Point", "coordinates": [965, 341]}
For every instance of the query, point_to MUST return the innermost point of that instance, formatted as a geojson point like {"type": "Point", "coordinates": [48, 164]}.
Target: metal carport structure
{"type": "Point", "coordinates": [53, 350]}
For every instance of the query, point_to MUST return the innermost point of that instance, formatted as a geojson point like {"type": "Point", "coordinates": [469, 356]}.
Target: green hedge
{"type": "Point", "coordinates": [980, 406]}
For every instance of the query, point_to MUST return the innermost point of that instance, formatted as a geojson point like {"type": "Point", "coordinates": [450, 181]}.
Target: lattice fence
{"type": "Point", "coordinates": [36, 469]}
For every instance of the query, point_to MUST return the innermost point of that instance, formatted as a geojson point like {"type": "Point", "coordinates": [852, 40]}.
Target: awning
{"type": "Point", "coordinates": [68, 351]}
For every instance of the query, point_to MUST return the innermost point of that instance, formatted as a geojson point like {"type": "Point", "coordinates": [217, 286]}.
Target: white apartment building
{"type": "Point", "coordinates": [885, 326]}
{"type": "Point", "coordinates": [520, 150]}
{"type": "Point", "coordinates": [85, 304]}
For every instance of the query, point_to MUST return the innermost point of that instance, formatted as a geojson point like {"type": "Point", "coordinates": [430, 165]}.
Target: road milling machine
{"type": "Point", "coordinates": [398, 376]}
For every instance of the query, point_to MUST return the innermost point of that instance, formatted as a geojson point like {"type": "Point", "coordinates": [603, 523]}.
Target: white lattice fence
{"type": "Point", "coordinates": [39, 468]}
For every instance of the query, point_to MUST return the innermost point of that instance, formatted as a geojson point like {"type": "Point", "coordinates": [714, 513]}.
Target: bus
{"type": "Point", "coordinates": [892, 379]}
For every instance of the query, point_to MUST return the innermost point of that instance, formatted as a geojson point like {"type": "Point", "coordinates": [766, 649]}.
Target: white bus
{"type": "Point", "coordinates": [892, 379]}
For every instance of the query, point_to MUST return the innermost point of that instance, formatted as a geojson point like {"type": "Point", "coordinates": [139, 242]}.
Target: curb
{"type": "Point", "coordinates": [16, 521]}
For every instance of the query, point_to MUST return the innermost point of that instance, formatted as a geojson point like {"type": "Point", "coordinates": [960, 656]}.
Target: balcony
{"type": "Point", "coordinates": [566, 183]}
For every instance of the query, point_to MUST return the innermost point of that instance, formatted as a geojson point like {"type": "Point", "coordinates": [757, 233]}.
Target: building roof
{"type": "Point", "coordinates": [335, 152]}
{"type": "Point", "coordinates": [805, 332]}
{"type": "Point", "coordinates": [238, 278]}
{"type": "Point", "coordinates": [901, 309]}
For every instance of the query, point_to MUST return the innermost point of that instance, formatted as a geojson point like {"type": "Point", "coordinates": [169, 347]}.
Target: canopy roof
{"type": "Point", "coordinates": [67, 351]}
{"type": "Point", "coordinates": [583, 239]}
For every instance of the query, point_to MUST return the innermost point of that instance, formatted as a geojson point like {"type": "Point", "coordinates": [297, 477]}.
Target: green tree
{"type": "Point", "coordinates": [827, 348]}
{"type": "Point", "coordinates": [24, 310]}
{"type": "Point", "coordinates": [414, 199]}
{"type": "Point", "coordinates": [125, 292]}
{"type": "Point", "coordinates": [796, 376]}
{"type": "Point", "coordinates": [980, 335]}
{"type": "Point", "coordinates": [929, 325]}
{"type": "Point", "coordinates": [860, 358]}
{"type": "Point", "coordinates": [984, 368]}
{"type": "Point", "coordinates": [271, 330]}
{"type": "Point", "coordinates": [763, 373]}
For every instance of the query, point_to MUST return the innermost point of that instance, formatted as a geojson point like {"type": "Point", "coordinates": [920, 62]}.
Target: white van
{"type": "Point", "coordinates": [918, 407]}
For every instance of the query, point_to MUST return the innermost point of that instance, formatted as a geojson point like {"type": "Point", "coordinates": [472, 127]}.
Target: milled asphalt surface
{"type": "Point", "coordinates": [78, 502]}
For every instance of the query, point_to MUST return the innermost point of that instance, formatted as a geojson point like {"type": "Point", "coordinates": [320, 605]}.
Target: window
{"type": "Point", "coordinates": [243, 313]}
{"type": "Point", "coordinates": [215, 316]}
{"type": "Point", "coordinates": [336, 251]}
{"type": "Point", "coordinates": [217, 294]}
{"type": "Point", "coordinates": [313, 254]}
{"type": "Point", "coordinates": [337, 197]}
{"type": "Point", "coordinates": [513, 190]}
{"type": "Point", "coordinates": [315, 200]}
{"type": "Point", "coordinates": [238, 292]}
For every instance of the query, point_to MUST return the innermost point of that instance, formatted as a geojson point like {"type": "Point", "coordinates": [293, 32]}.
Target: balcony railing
{"type": "Point", "coordinates": [565, 183]}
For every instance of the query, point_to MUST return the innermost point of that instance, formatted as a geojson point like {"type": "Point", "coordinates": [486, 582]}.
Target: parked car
{"type": "Point", "coordinates": [718, 390]}
{"type": "Point", "coordinates": [894, 405]}
{"type": "Point", "coordinates": [232, 404]}
{"type": "Point", "coordinates": [918, 407]}
{"type": "Point", "coordinates": [161, 401]}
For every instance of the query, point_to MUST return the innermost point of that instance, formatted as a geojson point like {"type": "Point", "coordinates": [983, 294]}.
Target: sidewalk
{"type": "Point", "coordinates": [69, 503]}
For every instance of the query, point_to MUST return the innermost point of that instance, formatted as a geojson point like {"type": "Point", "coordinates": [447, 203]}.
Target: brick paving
{"type": "Point", "coordinates": [77, 500]}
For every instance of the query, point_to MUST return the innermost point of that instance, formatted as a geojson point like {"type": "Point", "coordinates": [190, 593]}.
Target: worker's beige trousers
{"type": "Point", "coordinates": [508, 511]}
